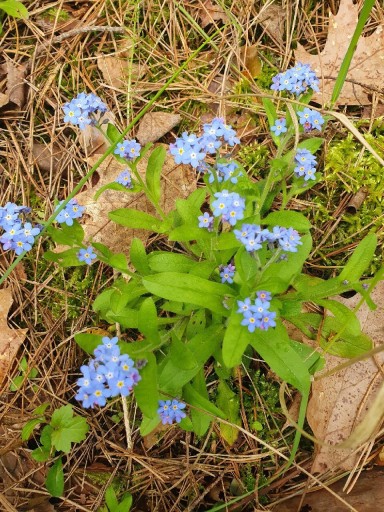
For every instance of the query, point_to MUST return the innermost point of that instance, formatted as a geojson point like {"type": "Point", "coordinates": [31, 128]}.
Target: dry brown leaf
{"type": "Point", "coordinates": [209, 13]}
{"type": "Point", "coordinates": [272, 17]}
{"type": "Point", "coordinates": [16, 87]}
{"type": "Point", "coordinates": [48, 157]}
{"type": "Point", "coordinates": [340, 402]}
{"type": "Point", "coordinates": [250, 57]}
{"type": "Point", "coordinates": [178, 181]}
{"type": "Point", "coordinates": [367, 66]}
{"type": "Point", "coordinates": [156, 124]}
{"type": "Point", "coordinates": [118, 69]}
{"type": "Point", "coordinates": [366, 496]}
{"type": "Point", "coordinates": [10, 339]}
{"type": "Point", "coordinates": [4, 99]}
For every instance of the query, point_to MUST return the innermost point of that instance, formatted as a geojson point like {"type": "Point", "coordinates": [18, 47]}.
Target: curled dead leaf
{"type": "Point", "coordinates": [16, 87]}
{"type": "Point", "coordinates": [249, 56]}
{"type": "Point", "coordinates": [10, 339]}
{"type": "Point", "coordinates": [118, 69]}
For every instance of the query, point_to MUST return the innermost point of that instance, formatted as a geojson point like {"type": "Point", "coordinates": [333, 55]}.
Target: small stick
{"type": "Point", "coordinates": [126, 423]}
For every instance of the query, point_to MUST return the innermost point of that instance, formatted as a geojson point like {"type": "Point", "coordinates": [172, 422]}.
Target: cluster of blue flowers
{"type": "Point", "coordinates": [257, 315]}
{"type": "Point", "coordinates": [129, 149]}
{"type": "Point", "coordinates": [170, 411]}
{"type": "Point", "coordinates": [227, 272]}
{"type": "Point", "coordinates": [224, 172]}
{"type": "Point", "coordinates": [71, 211]}
{"type": "Point", "coordinates": [306, 165]}
{"type": "Point", "coordinates": [17, 236]}
{"type": "Point", "coordinates": [125, 178]}
{"type": "Point", "coordinates": [310, 119]}
{"type": "Point", "coordinates": [84, 110]}
{"type": "Point", "coordinates": [252, 236]}
{"type": "Point", "coordinates": [229, 205]}
{"type": "Point", "coordinates": [191, 149]}
{"type": "Point", "coordinates": [108, 375]}
{"type": "Point", "coordinates": [296, 80]}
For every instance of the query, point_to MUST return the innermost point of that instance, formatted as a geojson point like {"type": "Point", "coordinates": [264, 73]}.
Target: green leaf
{"type": "Point", "coordinates": [186, 359]}
{"type": "Point", "coordinates": [160, 261]}
{"type": "Point", "coordinates": [196, 323]}
{"type": "Point", "coordinates": [67, 429]}
{"type": "Point", "coordinates": [138, 257]}
{"type": "Point", "coordinates": [236, 339]}
{"type": "Point", "coordinates": [119, 262]}
{"type": "Point", "coordinates": [287, 270]}
{"type": "Point", "coordinates": [65, 259]}
{"type": "Point", "coordinates": [41, 454]}
{"type": "Point", "coordinates": [312, 144]}
{"type": "Point", "coordinates": [14, 8]}
{"type": "Point", "coordinates": [186, 233]}
{"type": "Point", "coordinates": [88, 342]}
{"type": "Point", "coordinates": [113, 133]}
{"type": "Point", "coordinates": [246, 266]}
{"type": "Point", "coordinates": [229, 402]}
{"type": "Point", "coordinates": [189, 209]}
{"type": "Point", "coordinates": [270, 110]}
{"type": "Point", "coordinates": [346, 317]}
{"type": "Point", "coordinates": [197, 400]}
{"type": "Point", "coordinates": [136, 219]}
{"type": "Point", "coordinates": [127, 317]}
{"type": "Point", "coordinates": [29, 427]}
{"type": "Point", "coordinates": [16, 383]}
{"type": "Point", "coordinates": [154, 168]}
{"type": "Point", "coordinates": [360, 259]}
{"type": "Point", "coordinates": [200, 420]}
{"type": "Point", "coordinates": [148, 424]}
{"type": "Point", "coordinates": [111, 499]}
{"type": "Point", "coordinates": [345, 345]}
{"type": "Point", "coordinates": [55, 479]}
{"type": "Point", "coordinates": [67, 235]}
{"type": "Point", "coordinates": [146, 391]}
{"type": "Point", "coordinates": [275, 348]}
{"type": "Point", "coordinates": [126, 503]}
{"type": "Point", "coordinates": [318, 289]}
{"type": "Point", "coordinates": [288, 219]}
{"type": "Point", "coordinates": [190, 289]}
{"type": "Point", "coordinates": [147, 320]}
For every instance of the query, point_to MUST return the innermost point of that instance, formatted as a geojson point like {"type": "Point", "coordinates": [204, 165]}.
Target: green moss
{"type": "Point", "coordinates": [348, 169]}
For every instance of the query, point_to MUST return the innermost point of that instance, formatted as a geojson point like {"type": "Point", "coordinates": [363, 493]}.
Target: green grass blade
{"type": "Point", "coordinates": [364, 15]}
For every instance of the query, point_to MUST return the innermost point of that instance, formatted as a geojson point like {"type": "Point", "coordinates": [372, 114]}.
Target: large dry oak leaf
{"type": "Point", "coordinates": [340, 402]}
{"type": "Point", "coordinates": [366, 72]}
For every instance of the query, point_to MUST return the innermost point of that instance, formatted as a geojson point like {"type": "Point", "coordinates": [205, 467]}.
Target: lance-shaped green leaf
{"type": "Point", "coordinates": [146, 391]}
{"type": "Point", "coordinates": [360, 259]}
{"type": "Point", "coordinates": [153, 173]}
{"type": "Point", "coordinates": [147, 320]}
{"type": "Point", "coordinates": [55, 479]}
{"type": "Point", "coordinates": [288, 219]}
{"type": "Point", "coordinates": [229, 403]}
{"type": "Point", "coordinates": [139, 257]}
{"type": "Point", "coordinates": [236, 339]}
{"type": "Point", "coordinates": [189, 288]}
{"type": "Point", "coordinates": [135, 219]}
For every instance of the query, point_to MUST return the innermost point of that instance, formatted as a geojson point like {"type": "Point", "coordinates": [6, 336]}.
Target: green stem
{"type": "Point", "coordinates": [111, 149]}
